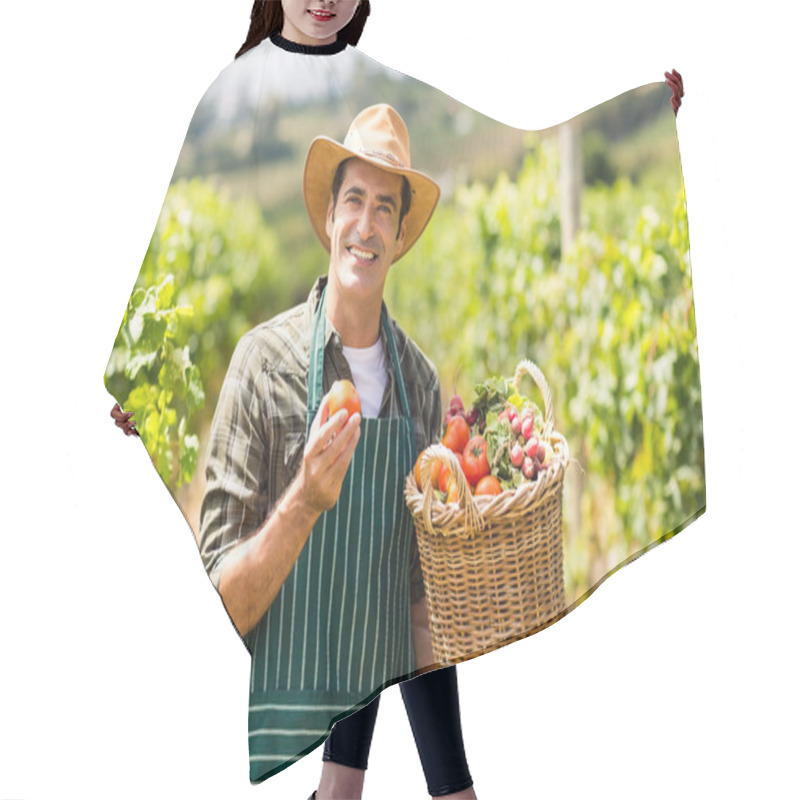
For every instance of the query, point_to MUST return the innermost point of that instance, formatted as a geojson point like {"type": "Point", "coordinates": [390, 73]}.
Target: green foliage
{"type": "Point", "coordinates": [225, 263]}
{"type": "Point", "coordinates": [625, 362]}
{"type": "Point", "coordinates": [610, 323]}
{"type": "Point", "coordinates": [211, 269]}
{"type": "Point", "coordinates": [476, 271]}
{"type": "Point", "coordinates": [597, 166]}
{"type": "Point", "coordinates": [490, 396]}
{"type": "Point", "coordinates": [164, 386]}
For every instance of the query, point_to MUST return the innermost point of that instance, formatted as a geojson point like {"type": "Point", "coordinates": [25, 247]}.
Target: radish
{"type": "Point", "coordinates": [516, 454]}
{"type": "Point", "coordinates": [529, 468]}
{"type": "Point", "coordinates": [527, 427]}
{"type": "Point", "coordinates": [531, 448]}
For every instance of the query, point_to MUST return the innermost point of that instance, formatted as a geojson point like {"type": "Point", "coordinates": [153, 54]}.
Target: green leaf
{"type": "Point", "coordinates": [195, 395]}
{"type": "Point", "coordinates": [165, 292]}
{"type": "Point", "coordinates": [517, 401]}
{"type": "Point", "coordinates": [189, 451]}
{"type": "Point", "coordinates": [139, 362]}
{"type": "Point", "coordinates": [154, 327]}
{"type": "Point", "coordinates": [173, 372]}
{"type": "Point", "coordinates": [142, 397]}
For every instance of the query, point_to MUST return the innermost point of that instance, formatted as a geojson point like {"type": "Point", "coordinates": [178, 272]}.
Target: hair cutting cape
{"type": "Point", "coordinates": [566, 247]}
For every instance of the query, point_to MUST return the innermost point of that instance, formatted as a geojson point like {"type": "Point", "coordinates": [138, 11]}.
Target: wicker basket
{"type": "Point", "coordinates": [493, 566]}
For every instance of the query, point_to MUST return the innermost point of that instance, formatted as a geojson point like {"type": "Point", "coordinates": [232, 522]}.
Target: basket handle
{"type": "Point", "coordinates": [528, 367]}
{"type": "Point", "coordinates": [473, 520]}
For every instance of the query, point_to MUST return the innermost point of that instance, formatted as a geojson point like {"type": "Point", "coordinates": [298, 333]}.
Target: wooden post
{"type": "Point", "coordinates": [569, 140]}
{"type": "Point", "coordinates": [571, 179]}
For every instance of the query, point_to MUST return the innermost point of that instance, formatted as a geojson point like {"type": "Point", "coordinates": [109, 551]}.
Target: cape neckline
{"type": "Point", "coordinates": [308, 49]}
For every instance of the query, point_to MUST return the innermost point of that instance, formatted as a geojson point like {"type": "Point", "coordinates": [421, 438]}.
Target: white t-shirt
{"type": "Point", "coordinates": [368, 366]}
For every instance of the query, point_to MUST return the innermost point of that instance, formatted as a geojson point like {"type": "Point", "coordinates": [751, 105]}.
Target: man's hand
{"type": "Point", "coordinates": [254, 571]}
{"type": "Point", "coordinates": [328, 453]}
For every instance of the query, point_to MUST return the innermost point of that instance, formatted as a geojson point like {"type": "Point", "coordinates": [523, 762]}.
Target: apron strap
{"type": "Point", "coordinates": [401, 385]}
{"type": "Point", "coordinates": [316, 359]}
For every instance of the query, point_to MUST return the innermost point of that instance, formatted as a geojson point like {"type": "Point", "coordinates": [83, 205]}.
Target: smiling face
{"type": "Point", "coordinates": [365, 231]}
{"type": "Point", "coordinates": [315, 22]}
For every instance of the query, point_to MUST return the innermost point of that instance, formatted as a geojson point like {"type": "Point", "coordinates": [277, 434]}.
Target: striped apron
{"type": "Point", "coordinates": [339, 630]}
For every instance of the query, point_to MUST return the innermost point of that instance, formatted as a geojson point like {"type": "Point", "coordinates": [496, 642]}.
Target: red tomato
{"type": "Point", "coordinates": [344, 395]}
{"type": "Point", "coordinates": [476, 461]}
{"type": "Point", "coordinates": [488, 485]}
{"type": "Point", "coordinates": [444, 474]}
{"type": "Point", "coordinates": [457, 435]}
{"type": "Point", "coordinates": [435, 468]}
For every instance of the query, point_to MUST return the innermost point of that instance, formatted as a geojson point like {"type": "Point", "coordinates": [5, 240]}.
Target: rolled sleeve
{"type": "Point", "coordinates": [236, 500]}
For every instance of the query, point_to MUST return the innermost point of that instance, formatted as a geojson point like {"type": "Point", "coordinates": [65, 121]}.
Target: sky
{"type": "Point", "coordinates": [120, 674]}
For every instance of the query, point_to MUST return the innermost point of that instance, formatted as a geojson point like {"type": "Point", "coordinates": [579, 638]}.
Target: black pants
{"type": "Point", "coordinates": [432, 706]}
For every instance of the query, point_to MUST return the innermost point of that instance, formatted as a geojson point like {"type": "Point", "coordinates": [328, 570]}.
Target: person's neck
{"type": "Point", "coordinates": [358, 323]}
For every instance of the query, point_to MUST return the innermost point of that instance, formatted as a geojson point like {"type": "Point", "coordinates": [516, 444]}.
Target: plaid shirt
{"type": "Point", "coordinates": [259, 430]}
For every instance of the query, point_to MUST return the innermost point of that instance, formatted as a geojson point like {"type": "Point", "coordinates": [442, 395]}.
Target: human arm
{"type": "Point", "coordinates": [254, 570]}
{"type": "Point", "coordinates": [259, 453]}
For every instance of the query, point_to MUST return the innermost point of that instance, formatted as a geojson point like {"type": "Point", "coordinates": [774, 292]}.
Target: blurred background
{"type": "Point", "coordinates": [568, 246]}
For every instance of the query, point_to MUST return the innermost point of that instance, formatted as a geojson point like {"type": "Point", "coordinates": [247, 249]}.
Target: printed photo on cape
{"type": "Point", "coordinates": [567, 248]}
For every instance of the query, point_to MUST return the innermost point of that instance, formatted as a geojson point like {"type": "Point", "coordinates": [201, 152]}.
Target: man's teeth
{"type": "Point", "coordinates": [364, 255]}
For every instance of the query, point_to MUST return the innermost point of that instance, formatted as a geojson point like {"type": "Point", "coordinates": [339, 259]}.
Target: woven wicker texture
{"type": "Point", "coordinates": [493, 566]}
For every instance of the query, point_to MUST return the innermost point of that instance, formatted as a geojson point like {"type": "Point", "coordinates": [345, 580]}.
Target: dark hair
{"type": "Point", "coordinates": [266, 19]}
{"type": "Point", "coordinates": [405, 191]}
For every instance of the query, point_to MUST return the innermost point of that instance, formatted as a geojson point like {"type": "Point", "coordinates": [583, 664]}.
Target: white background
{"type": "Point", "coordinates": [121, 676]}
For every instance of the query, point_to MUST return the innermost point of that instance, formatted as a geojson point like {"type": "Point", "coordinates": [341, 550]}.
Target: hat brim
{"type": "Point", "coordinates": [325, 155]}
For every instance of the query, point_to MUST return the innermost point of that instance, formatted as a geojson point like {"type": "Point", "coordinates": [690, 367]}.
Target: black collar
{"type": "Point", "coordinates": [308, 49]}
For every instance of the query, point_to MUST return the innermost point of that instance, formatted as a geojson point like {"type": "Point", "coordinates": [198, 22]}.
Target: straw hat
{"type": "Point", "coordinates": [378, 136]}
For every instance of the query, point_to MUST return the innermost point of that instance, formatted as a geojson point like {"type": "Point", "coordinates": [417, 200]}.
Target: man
{"type": "Point", "coordinates": [304, 528]}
